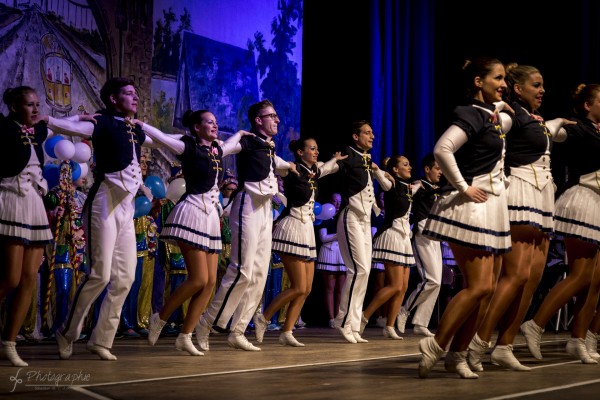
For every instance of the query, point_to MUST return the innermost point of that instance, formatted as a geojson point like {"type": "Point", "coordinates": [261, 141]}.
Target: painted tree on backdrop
{"type": "Point", "coordinates": [280, 83]}
{"type": "Point", "coordinates": [167, 43]}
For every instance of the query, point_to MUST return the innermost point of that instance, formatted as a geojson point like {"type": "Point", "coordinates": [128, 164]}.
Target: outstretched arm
{"type": "Point", "coordinates": [555, 126]}
{"type": "Point", "coordinates": [171, 142]}
{"type": "Point", "coordinates": [70, 126]}
{"type": "Point", "coordinates": [331, 166]}
{"type": "Point", "coordinates": [232, 145]}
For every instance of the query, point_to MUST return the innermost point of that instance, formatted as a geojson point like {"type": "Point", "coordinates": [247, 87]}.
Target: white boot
{"type": "Point", "coordinates": [591, 344]}
{"type": "Point", "coordinates": [286, 338]}
{"type": "Point", "coordinates": [456, 361]}
{"type": "Point", "coordinates": [504, 357]}
{"type": "Point", "coordinates": [476, 351]}
{"type": "Point", "coordinates": [390, 333]}
{"type": "Point", "coordinates": [10, 352]}
{"type": "Point", "coordinates": [184, 343]}
{"type": "Point", "coordinates": [576, 348]}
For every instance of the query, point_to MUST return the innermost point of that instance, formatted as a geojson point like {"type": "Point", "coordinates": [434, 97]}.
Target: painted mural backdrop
{"type": "Point", "coordinates": [55, 48]}
{"type": "Point", "coordinates": [216, 54]}
{"type": "Point", "coordinates": [225, 55]}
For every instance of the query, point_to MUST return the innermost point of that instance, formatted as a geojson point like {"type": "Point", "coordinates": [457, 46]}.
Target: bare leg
{"type": "Point", "coordinates": [196, 262]}
{"type": "Point", "coordinates": [514, 276]}
{"type": "Point", "coordinates": [329, 280]}
{"type": "Point", "coordinates": [11, 275]}
{"type": "Point", "coordinates": [477, 268]}
{"type": "Point", "coordinates": [581, 258]}
{"type": "Point", "coordinates": [32, 258]}
{"type": "Point", "coordinates": [296, 269]}
{"type": "Point", "coordinates": [339, 285]}
{"type": "Point", "coordinates": [509, 328]}
{"type": "Point", "coordinates": [396, 301]}
{"type": "Point", "coordinates": [585, 314]}
{"type": "Point", "coordinates": [395, 275]}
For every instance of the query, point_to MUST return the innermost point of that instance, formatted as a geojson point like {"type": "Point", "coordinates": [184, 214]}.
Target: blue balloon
{"type": "Point", "coordinates": [142, 206]}
{"type": "Point", "coordinates": [51, 173]}
{"type": "Point", "coordinates": [317, 222]}
{"type": "Point", "coordinates": [75, 170]}
{"type": "Point", "coordinates": [156, 186]}
{"type": "Point", "coordinates": [50, 143]}
{"type": "Point", "coordinates": [318, 208]}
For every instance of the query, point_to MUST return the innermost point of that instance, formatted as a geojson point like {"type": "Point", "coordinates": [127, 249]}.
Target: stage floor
{"type": "Point", "coordinates": [327, 368]}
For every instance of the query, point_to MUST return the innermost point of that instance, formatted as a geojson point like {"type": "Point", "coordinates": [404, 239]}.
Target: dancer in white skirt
{"type": "Point", "coordinates": [251, 220]}
{"type": "Point", "coordinates": [472, 214]}
{"type": "Point", "coordinates": [354, 226]}
{"type": "Point", "coordinates": [294, 238]}
{"type": "Point", "coordinates": [330, 262]}
{"type": "Point", "coordinates": [107, 216]}
{"type": "Point", "coordinates": [194, 223]}
{"type": "Point", "coordinates": [24, 228]}
{"type": "Point", "coordinates": [392, 247]}
{"type": "Point", "coordinates": [530, 211]}
{"type": "Point", "coordinates": [428, 253]}
{"type": "Point", "coordinates": [577, 219]}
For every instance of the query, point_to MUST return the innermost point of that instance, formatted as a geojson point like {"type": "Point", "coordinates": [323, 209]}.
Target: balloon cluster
{"type": "Point", "coordinates": [77, 154]}
{"type": "Point", "coordinates": [143, 205]}
{"type": "Point", "coordinates": [323, 212]}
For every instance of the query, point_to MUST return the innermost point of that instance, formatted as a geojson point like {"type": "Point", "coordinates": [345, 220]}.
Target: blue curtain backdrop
{"type": "Point", "coordinates": [402, 75]}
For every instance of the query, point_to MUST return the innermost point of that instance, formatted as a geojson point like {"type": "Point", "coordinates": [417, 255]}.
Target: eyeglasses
{"type": "Point", "coordinates": [272, 115]}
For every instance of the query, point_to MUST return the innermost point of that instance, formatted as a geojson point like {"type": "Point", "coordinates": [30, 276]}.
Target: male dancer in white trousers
{"type": "Point", "coordinates": [251, 221]}
{"type": "Point", "coordinates": [354, 227]}
{"type": "Point", "coordinates": [428, 254]}
{"type": "Point", "coordinates": [107, 216]}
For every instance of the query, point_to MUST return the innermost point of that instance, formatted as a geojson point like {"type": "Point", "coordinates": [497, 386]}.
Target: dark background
{"type": "Point", "coordinates": [561, 40]}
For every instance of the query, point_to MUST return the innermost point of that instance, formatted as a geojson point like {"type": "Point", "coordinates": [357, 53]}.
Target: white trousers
{"type": "Point", "coordinates": [112, 254]}
{"type": "Point", "coordinates": [241, 289]}
{"type": "Point", "coordinates": [356, 247]}
{"type": "Point", "coordinates": [428, 256]}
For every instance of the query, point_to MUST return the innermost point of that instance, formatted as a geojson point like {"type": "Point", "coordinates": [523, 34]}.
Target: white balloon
{"type": "Point", "coordinates": [176, 189]}
{"type": "Point", "coordinates": [82, 153]}
{"type": "Point", "coordinates": [64, 149]}
{"type": "Point", "coordinates": [84, 170]}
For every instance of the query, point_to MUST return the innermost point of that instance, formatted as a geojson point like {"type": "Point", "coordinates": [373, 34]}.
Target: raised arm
{"type": "Point", "coordinates": [232, 145]}
{"type": "Point", "coordinates": [331, 166]}
{"type": "Point", "coordinates": [171, 142]}
{"type": "Point", "coordinates": [555, 126]}
{"type": "Point", "coordinates": [384, 182]}
{"type": "Point", "coordinates": [71, 126]}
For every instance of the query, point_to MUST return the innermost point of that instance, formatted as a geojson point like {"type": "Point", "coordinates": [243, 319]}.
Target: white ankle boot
{"type": "Point", "coordinates": [286, 338]}
{"type": "Point", "coordinates": [184, 343]}
{"type": "Point", "coordinates": [10, 352]}
{"type": "Point", "coordinates": [390, 333]}
{"type": "Point", "coordinates": [456, 361]}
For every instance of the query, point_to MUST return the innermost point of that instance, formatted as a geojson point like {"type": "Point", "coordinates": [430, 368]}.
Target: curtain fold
{"type": "Point", "coordinates": [402, 73]}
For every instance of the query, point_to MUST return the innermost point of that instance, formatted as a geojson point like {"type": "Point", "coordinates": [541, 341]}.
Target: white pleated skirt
{"type": "Point", "coordinates": [577, 214]}
{"type": "Point", "coordinates": [188, 224]}
{"type": "Point", "coordinates": [530, 206]}
{"type": "Point", "coordinates": [483, 226]}
{"type": "Point", "coordinates": [294, 237]}
{"type": "Point", "coordinates": [330, 258]}
{"type": "Point", "coordinates": [393, 245]}
{"type": "Point", "coordinates": [23, 218]}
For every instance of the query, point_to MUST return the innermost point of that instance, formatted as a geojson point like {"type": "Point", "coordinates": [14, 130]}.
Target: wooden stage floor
{"type": "Point", "coordinates": [327, 368]}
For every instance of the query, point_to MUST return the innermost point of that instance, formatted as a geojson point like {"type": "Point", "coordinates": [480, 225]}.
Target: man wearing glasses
{"type": "Point", "coordinates": [251, 220]}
